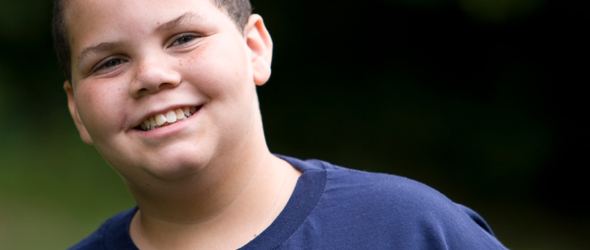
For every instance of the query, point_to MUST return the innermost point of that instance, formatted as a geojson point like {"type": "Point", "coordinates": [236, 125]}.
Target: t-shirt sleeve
{"type": "Point", "coordinates": [476, 218]}
{"type": "Point", "coordinates": [439, 223]}
{"type": "Point", "coordinates": [457, 227]}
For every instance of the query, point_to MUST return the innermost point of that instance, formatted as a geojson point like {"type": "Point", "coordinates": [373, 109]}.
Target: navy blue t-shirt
{"type": "Point", "coordinates": [338, 208]}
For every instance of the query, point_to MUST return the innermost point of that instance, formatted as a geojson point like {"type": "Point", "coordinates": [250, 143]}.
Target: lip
{"type": "Point", "coordinates": [168, 129]}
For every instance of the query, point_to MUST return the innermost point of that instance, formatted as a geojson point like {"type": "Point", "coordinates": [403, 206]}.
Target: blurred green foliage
{"type": "Point", "coordinates": [486, 11]}
{"type": "Point", "coordinates": [494, 11]}
{"type": "Point", "coordinates": [21, 20]}
{"type": "Point", "coordinates": [451, 93]}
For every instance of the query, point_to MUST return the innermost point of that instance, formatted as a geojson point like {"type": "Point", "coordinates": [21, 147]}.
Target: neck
{"type": "Point", "coordinates": [223, 207]}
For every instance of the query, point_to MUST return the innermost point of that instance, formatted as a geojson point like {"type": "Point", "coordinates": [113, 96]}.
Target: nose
{"type": "Point", "coordinates": [153, 76]}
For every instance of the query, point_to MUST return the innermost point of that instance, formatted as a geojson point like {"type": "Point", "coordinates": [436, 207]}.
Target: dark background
{"type": "Point", "coordinates": [480, 99]}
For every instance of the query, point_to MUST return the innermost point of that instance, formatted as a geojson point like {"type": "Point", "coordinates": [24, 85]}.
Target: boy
{"type": "Point", "coordinates": [166, 92]}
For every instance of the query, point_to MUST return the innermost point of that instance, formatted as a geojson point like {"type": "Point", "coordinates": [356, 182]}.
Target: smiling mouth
{"type": "Point", "coordinates": [167, 118]}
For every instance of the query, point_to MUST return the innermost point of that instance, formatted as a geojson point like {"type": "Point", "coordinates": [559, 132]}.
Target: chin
{"type": "Point", "coordinates": [175, 168]}
{"type": "Point", "coordinates": [173, 165]}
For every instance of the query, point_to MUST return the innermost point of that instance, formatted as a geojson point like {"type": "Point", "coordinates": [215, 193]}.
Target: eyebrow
{"type": "Point", "coordinates": [172, 24]}
{"type": "Point", "coordinates": [102, 47]}
{"type": "Point", "coordinates": [106, 46]}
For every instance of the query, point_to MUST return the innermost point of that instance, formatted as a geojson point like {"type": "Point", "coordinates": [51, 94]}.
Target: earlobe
{"type": "Point", "coordinates": [260, 44]}
{"type": "Point", "coordinates": [74, 112]}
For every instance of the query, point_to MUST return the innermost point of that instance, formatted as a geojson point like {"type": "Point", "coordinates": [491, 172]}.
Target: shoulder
{"type": "Point", "coordinates": [360, 208]}
{"type": "Point", "coordinates": [377, 189]}
{"type": "Point", "coordinates": [93, 241]}
{"type": "Point", "coordinates": [390, 191]}
{"type": "Point", "coordinates": [112, 234]}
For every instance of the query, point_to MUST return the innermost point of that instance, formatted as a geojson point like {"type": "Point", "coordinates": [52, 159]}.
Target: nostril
{"type": "Point", "coordinates": [167, 85]}
{"type": "Point", "coordinates": [143, 91]}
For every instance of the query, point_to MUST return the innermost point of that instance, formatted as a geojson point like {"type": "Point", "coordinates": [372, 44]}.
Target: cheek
{"type": "Point", "coordinates": [101, 109]}
{"type": "Point", "coordinates": [221, 70]}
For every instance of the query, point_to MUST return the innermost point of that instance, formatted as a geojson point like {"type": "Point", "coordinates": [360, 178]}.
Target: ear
{"type": "Point", "coordinates": [260, 45]}
{"type": "Point", "coordinates": [74, 112]}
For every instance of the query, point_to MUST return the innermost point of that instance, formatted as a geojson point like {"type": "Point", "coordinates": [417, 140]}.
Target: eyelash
{"type": "Point", "coordinates": [176, 42]}
{"type": "Point", "coordinates": [106, 65]}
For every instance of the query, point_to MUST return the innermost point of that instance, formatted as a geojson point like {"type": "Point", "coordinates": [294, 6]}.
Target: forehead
{"type": "Point", "coordinates": [88, 20]}
{"type": "Point", "coordinates": [107, 7]}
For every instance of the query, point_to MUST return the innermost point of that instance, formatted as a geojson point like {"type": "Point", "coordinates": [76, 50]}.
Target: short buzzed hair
{"type": "Point", "coordinates": [238, 10]}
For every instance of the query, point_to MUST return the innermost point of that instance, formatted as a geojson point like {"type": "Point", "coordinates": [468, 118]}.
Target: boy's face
{"type": "Point", "coordinates": [134, 59]}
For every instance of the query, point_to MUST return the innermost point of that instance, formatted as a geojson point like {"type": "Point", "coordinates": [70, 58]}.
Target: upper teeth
{"type": "Point", "coordinates": [167, 118]}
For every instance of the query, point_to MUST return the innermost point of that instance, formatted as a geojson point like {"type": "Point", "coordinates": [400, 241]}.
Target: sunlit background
{"type": "Point", "coordinates": [480, 99]}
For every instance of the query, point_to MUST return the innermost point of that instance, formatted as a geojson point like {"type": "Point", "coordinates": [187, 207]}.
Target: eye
{"type": "Point", "coordinates": [108, 65]}
{"type": "Point", "coordinates": [183, 39]}
{"type": "Point", "coordinates": [111, 63]}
